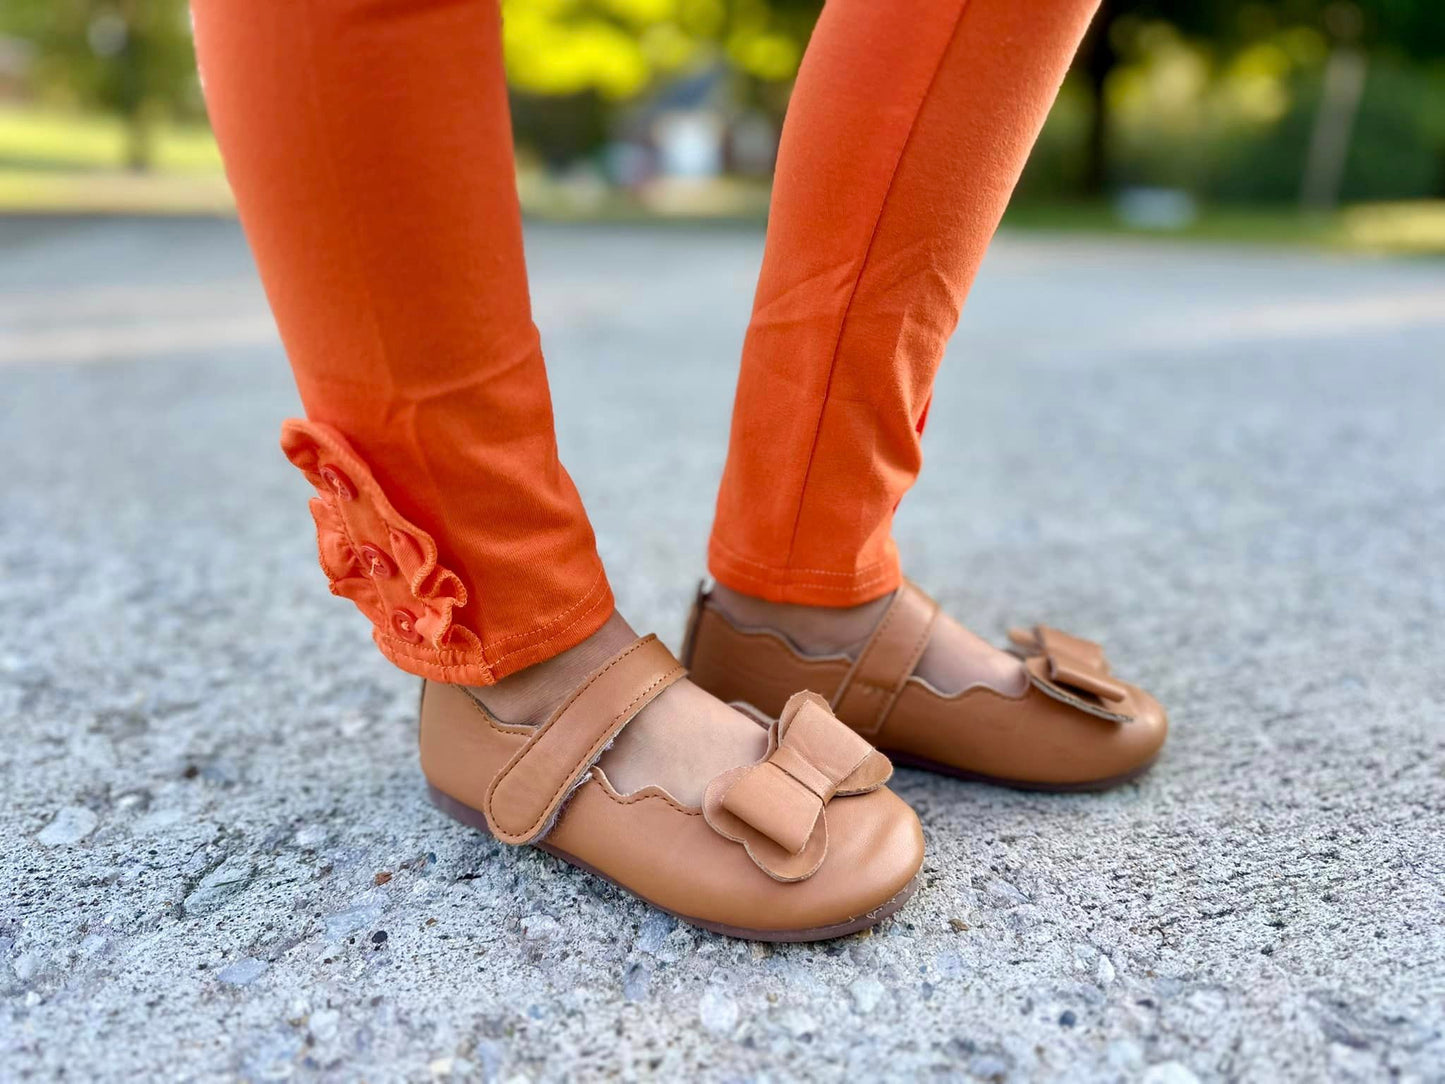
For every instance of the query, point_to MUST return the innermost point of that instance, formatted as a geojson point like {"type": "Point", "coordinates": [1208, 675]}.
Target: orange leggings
{"type": "Point", "coordinates": [369, 146]}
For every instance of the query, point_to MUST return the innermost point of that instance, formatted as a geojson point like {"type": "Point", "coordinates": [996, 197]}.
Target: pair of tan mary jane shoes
{"type": "Point", "coordinates": [808, 843]}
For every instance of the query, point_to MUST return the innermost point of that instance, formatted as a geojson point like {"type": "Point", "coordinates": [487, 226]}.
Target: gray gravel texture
{"type": "Point", "coordinates": [1226, 464]}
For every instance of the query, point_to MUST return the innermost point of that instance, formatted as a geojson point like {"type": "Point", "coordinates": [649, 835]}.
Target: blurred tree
{"type": "Point", "coordinates": [130, 57]}
{"type": "Point", "coordinates": [618, 48]}
{"type": "Point", "coordinates": [1241, 99]}
{"type": "Point", "coordinates": [572, 62]}
{"type": "Point", "coordinates": [1250, 108]}
{"type": "Point", "coordinates": [1097, 57]}
{"type": "Point", "coordinates": [1260, 42]}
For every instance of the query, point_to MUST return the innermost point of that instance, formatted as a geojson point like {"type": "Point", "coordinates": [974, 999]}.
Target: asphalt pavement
{"type": "Point", "coordinates": [1227, 464]}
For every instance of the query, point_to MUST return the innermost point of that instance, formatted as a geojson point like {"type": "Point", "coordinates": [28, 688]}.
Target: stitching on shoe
{"type": "Point", "coordinates": [522, 752]}
{"type": "Point", "coordinates": [849, 679]}
{"type": "Point", "coordinates": [652, 790]}
{"type": "Point", "coordinates": [762, 631]}
{"type": "Point", "coordinates": [915, 653]}
{"type": "Point", "coordinates": [597, 746]}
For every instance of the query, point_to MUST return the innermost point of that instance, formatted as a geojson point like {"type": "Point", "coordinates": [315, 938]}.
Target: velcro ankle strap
{"type": "Point", "coordinates": [522, 802]}
{"type": "Point", "coordinates": [870, 688]}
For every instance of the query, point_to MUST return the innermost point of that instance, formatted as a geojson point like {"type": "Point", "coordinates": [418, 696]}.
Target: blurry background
{"type": "Point", "coordinates": [1224, 460]}
{"type": "Point", "coordinates": [1292, 119]}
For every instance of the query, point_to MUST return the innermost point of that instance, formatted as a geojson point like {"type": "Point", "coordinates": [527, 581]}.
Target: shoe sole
{"type": "Point", "coordinates": [1088, 786]}
{"type": "Point", "coordinates": [474, 818]}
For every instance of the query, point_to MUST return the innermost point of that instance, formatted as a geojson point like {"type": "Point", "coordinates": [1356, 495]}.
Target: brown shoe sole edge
{"type": "Point", "coordinates": [473, 818]}
{"type": "Point", "coordinates": [1088, 786]}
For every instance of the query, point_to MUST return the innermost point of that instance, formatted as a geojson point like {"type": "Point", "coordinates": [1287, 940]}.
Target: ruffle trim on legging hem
{"type": "Point", "coordinates": [382, 562]}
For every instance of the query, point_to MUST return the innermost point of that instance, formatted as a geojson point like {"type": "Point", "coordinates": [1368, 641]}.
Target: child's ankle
{"type": "Point", "coordinates": [817, 630]}
{"type": "Point", "coordinates": [529, 696]}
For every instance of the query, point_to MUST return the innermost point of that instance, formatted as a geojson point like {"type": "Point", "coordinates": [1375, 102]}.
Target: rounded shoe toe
{"type": "Point", "coordinates": [875, 849]}
{"type": "Point", "coordinates": [1153, 716]}
{"type": "Point", "coordinates": [1059, 746]}
{"type": "Point", "coordinates": [1107, 753]}
{"type": "Point", "coordinates": [1142, 737]}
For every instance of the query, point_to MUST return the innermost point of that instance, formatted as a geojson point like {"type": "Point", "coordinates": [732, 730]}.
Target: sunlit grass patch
{"type": "Point", "coordinates": [1413, 226]}
{"type": "Point", "coordinates": [42, 138]}
{"type": "Point", "coordinates": [89, 191]}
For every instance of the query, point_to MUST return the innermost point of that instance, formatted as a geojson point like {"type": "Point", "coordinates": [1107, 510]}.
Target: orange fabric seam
{"type": "Point", "coordinates": [734, 555]}
{"type": "Point", "coordinates": [785, 578]}
{"type": "Point", "coordinates": [858, 278]}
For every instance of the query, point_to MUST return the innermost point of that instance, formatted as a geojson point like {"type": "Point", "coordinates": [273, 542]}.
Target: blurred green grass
{"type": "Point", "coordinates": [1409, 226]}
{"type": "Point", "coordinates": [55, 162]}
{"type": "Point", "coordinates": [53, 139]}
{"type": "Point", "coordinates": [58, 163]}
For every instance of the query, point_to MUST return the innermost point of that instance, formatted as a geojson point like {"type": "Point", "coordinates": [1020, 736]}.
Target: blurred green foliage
{"type": "Point", "coordinates": [132, 58]}
{"type": "Point", "coordinates": [620, 48]}
{"type": "Point", "coordinates": [1221, 98]}
{"type": "Point", "coordinates": [1224, 99]}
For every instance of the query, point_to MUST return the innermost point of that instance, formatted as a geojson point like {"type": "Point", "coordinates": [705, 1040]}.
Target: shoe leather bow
{"type": "Point", "coordinates": [777, 807]}
{"type": "Point", "coordinates": [1071, 661]}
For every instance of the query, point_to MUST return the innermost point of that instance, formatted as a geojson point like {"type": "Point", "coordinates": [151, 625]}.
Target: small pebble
{"type": "Point", "coordinates": [70, 825]}
{"type": "Point", "coordinates": [539, 927]}
{"type": "Point", "coordinates": [1067, 1018]}
{"type": "Point", "coordinates": [635, 983]}
{"type": "Point", "coordinates": [798, 1023]}
{"type": "Point", "coordinates": [988, 1067]}
{"type": "Point", "coordinates": [655, 928]}
{"type": "Point", "coordinates": [867, 992]}
{"type": "Point", "coordinates": [1104, 972]}
{"type": "Point", "coordinates": [1005, 894]}
{"type": "Point", "coordinates": [1169, 1072]}
{"type": "Point", "coordinates": [242, 972]}
{"type": "Point", "coordinates": [1126, 1055]}
{"type": "Point", "coordinates": [717, 1011]}
{"type": "Point", "coordinates": [219, 885]}
{"type": "Point", "coordinates": [324, 1024]}
{"type": "Point", "coordinates": [349, 921]}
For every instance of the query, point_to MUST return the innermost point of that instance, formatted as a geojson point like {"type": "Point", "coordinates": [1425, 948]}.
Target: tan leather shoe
{"type": "Point", "coordinates": [1075, 726]}
{"type": "Point", "coordinates": [805, 844]}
